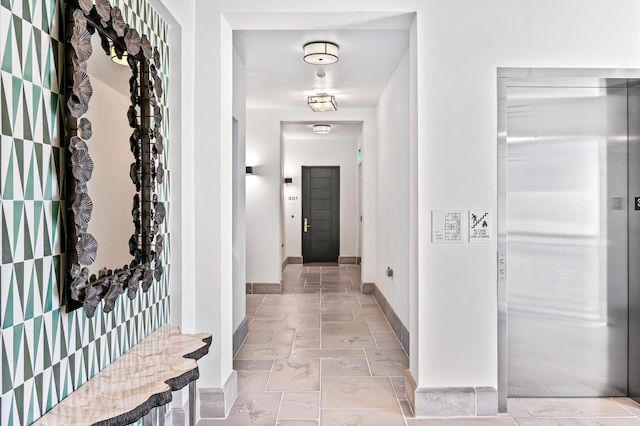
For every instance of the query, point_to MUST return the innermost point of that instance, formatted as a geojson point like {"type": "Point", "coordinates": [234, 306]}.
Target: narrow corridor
{"type": "Point", "coordinates": [323, 354]}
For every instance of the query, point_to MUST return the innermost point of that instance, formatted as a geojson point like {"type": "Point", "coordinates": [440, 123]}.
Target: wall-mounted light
{"type": "Point", "coordinates": [321, 53]}
{"type": "Point", "coordinates": [114, 56]}
{"type": "Point", "coordinates": [321, 129]}
{"type": "Point", "coordinates": [288, 180]}
{"type": "Point", "coordinates": [249, 170]}
{"type": "Point", "coordinates": [322, 102]}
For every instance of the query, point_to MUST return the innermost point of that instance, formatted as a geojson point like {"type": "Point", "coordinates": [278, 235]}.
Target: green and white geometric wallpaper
{"type": "Point", "coordinates": [46, 353]}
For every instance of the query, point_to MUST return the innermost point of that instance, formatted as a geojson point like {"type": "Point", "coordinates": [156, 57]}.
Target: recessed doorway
{"type": "Point", "coordinates": [320, 214]}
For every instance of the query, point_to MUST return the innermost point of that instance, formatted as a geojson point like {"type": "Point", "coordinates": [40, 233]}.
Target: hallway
{"type": "Point", "coordinates": [323, 354]}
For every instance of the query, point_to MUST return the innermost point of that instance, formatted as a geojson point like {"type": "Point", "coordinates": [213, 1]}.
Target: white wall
{"type": "Point", "coordinates": [239, 228]}
{"type": "Point", "coordinates": [342, 153]}
{"type": "Point", "coordinates": [212, 208]}
{"type": "Point", "coordinates": [458, 46]}
{"type": "Point", "coordinates": [265, 187]}
{"type": "Point", "coordinates": [201, 153]}
{"type": "Point", "coordinates": [360, 194]}
{"type": "Point", "coordinates": [393, 192]}
{"type": "Point", "coordinates": [461, 44]}
{"type": "Point", "coordinates": [222, 311]}
{"type": "Point", "coordinates": [263, 198]}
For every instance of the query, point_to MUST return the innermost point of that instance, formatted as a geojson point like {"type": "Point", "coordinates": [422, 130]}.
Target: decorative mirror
{"type": "Point", "coordinates": [90, 280]}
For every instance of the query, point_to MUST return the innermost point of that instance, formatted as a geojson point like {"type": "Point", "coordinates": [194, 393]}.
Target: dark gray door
{"type": "Point", "coordinates": [320, 214]}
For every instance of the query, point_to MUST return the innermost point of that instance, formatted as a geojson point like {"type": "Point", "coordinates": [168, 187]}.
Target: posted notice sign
{"type": "Point", "coordinates": [446, 226]}
{"type": "Point", "coordinates": [480, 229]}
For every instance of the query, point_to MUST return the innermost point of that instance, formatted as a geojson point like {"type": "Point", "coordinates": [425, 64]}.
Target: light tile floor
{"type": "Point", "coordinates": [323, 354]}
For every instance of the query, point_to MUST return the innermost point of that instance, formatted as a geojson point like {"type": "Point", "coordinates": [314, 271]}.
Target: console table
{"type": "Point", "coordinates": [141, 379]}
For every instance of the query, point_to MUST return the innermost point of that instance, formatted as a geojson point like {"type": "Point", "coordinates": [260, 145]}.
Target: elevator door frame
{"type": "Point", "coordinates": [546, 77]}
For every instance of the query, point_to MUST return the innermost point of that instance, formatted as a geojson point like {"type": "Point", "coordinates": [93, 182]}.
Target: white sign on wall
{"type": "Point", "coordinates": [480, 229]}
{"type": "Point", "coordinates": [446, 226]}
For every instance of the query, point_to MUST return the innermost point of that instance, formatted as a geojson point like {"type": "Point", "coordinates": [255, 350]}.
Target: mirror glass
{"type": "Point", "coordinates": [111, 188]}
{"type": "Point", "coordinates": [112, 134]}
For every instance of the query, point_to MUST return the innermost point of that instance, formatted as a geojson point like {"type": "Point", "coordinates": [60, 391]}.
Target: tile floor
{"type": "Point", "coordinates": [323, 354]}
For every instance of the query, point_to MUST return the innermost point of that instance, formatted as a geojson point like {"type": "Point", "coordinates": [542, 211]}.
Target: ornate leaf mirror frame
{"type": "Point", "coordinates": [83, 19]}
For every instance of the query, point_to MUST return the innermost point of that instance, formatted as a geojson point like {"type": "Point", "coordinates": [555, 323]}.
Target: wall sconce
{"type": "Point", "coordinates": [322, 102]}
{"type": "Point", "coordinates": [288, 180]}
{"type": "Point", "coordinates": [321, 53]}
{"type": "Point", "coordinates": [249, 170]}
{"type": "Point", "coordinates": [321, 129]}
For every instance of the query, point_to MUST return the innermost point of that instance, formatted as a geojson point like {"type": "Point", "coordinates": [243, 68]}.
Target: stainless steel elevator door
{"type": "Point", "coordinates": [567, 241]}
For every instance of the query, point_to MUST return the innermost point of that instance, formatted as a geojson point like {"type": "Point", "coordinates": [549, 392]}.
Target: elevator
{"type": "Point", "coordinates": [568, 231]}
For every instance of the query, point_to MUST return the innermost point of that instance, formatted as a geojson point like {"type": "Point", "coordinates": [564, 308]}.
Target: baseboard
{"type": "Point", "coordinates": [240, 334]}
{"type": "Point", "coordinates": [176, 416]}
{"type": "Point", "coordinates": [450, 401]}
{"type": "Point", "coordinates": [367, 288]}
{"type": "Point", "coordinates": [215, 403]}
{"type": "Point", "coordinates": [398, 328]}
{"type": "Point", "coordinates": [486, 401]}
{"type": "Point", "coordinates": [342, 260]}
{"type": "Point", "coordinates": [291, 260]}
{"type": "Point", "coordinates": [410, 387]}
{"type": "Point", "coordinates": [178, 412]}
{"type": "Point", "coordinates": [264, 288]}
{"type": "Point", "coordinates": [349, 260]}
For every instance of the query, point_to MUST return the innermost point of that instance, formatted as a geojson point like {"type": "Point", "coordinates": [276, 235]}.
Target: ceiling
{"type": "Point", "coordinates": [277, 76]}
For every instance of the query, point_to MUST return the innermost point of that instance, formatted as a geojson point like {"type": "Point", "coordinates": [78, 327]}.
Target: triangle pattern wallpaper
{"type": "Point", "coordinates": [46, 353]}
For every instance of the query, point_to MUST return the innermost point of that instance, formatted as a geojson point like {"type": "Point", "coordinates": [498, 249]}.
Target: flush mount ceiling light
{"type": "Point", "coordinates": [321, 129]}
{"type": "Point", "coordinates": [321, 53]}
{"type": "Point", "coordinates": [114, 56]}
{"type": "Point", "coordinates": [322, 102]}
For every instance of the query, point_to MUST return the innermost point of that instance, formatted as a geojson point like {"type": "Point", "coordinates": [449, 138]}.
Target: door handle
{"type": "Point", "coordinates": [306, 225]}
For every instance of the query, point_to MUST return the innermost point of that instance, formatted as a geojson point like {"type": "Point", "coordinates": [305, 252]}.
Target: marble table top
{"type": "Point", "coordinates": [141, 379]}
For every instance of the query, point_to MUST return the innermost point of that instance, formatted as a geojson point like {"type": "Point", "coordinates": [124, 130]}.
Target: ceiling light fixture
{"type": "Point", "coordinates": [321, 129]}
{"type": "Point", "coordinates": [321, 53]}
{"type": "Point", "coordinates": [322, 102]}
